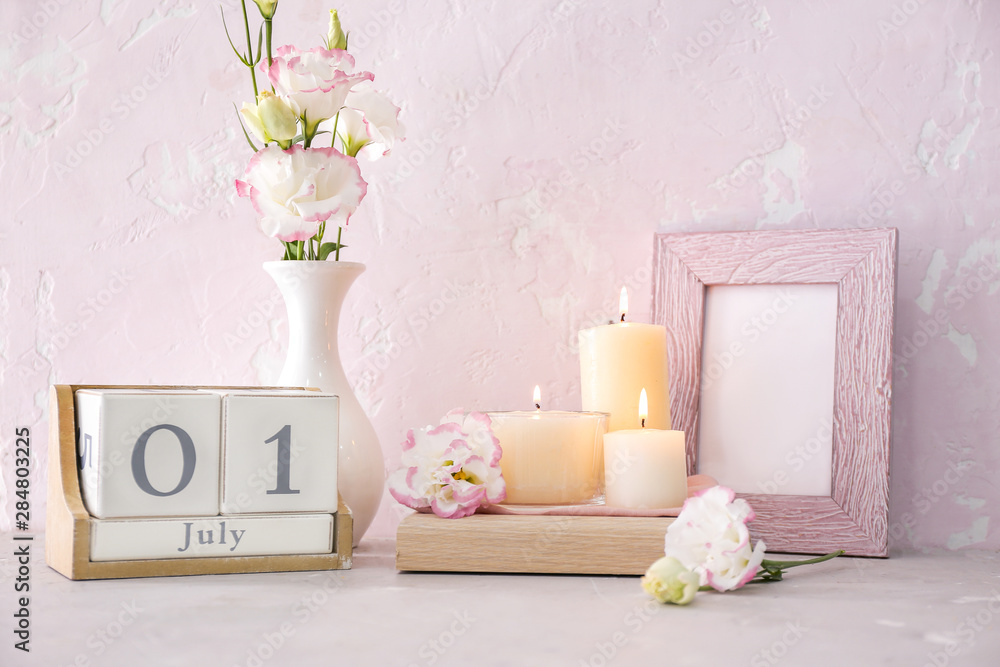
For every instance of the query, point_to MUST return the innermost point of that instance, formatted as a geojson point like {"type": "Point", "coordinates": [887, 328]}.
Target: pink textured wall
{"type": "Point", "coordinates": [548, 141]}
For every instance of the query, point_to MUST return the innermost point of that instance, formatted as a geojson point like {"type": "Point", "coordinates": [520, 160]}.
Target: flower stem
{"type": "Point", "coordinates": [307, 132]}
{"type": "Point", "coordinates": [772, 570]}
{"type": "Point", "coordinates": [785, 564]}
{"type": "Point", "coordinates": [336, 257]}
{"type": "Point", "coordinates": [267, 39]}
{"type": "Point", "coordinates": [319, 234]}
{"type": "Point", "coordinates": [246, 26]}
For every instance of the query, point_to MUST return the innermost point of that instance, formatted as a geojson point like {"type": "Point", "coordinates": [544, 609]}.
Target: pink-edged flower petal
{"type": "Point", "coordinates": [467, 493]}
{"type": "Point", "coordinates": [449, 509]}
{"type": "Point", "coordinates": [402, 491]}
{"type": "Point", "coordinates": [446, 428]}
{"type": "Point", "coordinates": [410, 441]}
{"type": "Point", "coordinates": [735, 569]}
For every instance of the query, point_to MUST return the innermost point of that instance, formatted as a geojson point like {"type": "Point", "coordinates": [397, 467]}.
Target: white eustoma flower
{"type": "Point", "coordinates": [296, 189]}
{"type": "Point", "coordinates": [315, 82]}
{"type": "Point", "coordinates": [711, 538]}
{"type": "Point", "coordinates": [369, 123]}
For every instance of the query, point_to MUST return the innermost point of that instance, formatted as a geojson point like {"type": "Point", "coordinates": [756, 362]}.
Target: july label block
{"type": "Point", "coordinates": [208, 537]}
{"type": "Point", "coordinates": [279, 451]}
{"type": "Point", "coordinates": [148, 452]}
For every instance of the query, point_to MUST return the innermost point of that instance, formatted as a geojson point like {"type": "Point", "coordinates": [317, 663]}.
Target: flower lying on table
{"type": "Point", "coordinates": [708, 545]}
{"type": "Point", "coordinates": [452, 468]}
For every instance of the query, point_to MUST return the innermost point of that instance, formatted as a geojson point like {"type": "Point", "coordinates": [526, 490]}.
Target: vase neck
{"type": "Point", "coordinates": [314, 294]}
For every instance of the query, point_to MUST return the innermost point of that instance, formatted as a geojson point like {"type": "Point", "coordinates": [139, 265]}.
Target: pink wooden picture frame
{"type": "Point", "coordinates": [862, 263]}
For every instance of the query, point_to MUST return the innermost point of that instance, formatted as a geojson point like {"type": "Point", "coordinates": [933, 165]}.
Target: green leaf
{"type": "Point", "coordinates": [243, 59]}
{"type": "Point", "coordinates": [260, 42]}
{"type": "Point", "coordinates": [245, 134]}
{"type": "Point", "coordinates": [328, 247]}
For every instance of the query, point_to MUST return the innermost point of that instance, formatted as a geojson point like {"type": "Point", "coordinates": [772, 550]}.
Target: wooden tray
{"type": "Point", "coordinates": [530, 544]}
{"type": "Point", "coordinates": [67, 523]}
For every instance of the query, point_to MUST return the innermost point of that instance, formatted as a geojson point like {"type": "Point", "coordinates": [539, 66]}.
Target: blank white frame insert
{"type": "Point", "coordinates": [767, 387]}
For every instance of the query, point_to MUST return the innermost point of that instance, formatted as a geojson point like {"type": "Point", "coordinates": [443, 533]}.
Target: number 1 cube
{"type": "Point", "coordinates": [280, 450]}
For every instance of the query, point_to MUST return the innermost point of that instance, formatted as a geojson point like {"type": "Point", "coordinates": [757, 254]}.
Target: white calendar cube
{"type": "Point", "coordinates": [148, 452]}
{"type": "Point", "coordinates": [280, 451]}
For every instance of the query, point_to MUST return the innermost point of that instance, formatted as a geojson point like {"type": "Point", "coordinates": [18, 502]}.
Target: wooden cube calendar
{"type": "Point", "coordinates": [132, 454]}
{"type": "Point", "coordinates": [149, 453]}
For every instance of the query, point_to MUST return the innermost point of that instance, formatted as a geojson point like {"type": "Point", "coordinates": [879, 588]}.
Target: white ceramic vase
{"type": "Point", "coordinates": [314, 292]}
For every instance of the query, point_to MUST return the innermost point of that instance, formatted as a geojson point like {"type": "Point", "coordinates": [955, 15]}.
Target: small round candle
{"type": "Point", "coordinates": [551, 457]}
{"type": "Point", "coordinates": [645, 468]}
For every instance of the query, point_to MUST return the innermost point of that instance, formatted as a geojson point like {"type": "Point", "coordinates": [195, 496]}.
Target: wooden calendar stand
{"type": "Point", "coordinates": [68, 524]}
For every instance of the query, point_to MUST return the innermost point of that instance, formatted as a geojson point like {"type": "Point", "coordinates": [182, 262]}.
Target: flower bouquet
{"type": "Point", "coordinates": [305, 99]}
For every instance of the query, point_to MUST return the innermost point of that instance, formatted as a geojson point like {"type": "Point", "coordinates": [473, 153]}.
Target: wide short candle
{"type": "Point", "coordinates": [645, 468]}
{"type": "Point", "coordinates": [616, 362]}
{"type": "Point", "coordinates": [551, 457]}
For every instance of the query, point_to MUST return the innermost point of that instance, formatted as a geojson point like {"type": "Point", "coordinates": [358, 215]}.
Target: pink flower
{"type": "Point", "coordinates": [315, 83]}
{"type": "Point", "coordinates": [296, 189]}
{"type": "Point", "coordinates": [711, 538]}
{"type": "Point", "coordinates": [452, 468]}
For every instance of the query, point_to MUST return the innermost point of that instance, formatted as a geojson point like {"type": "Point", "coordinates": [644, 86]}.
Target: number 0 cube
{"type": "Point", "coordinates": [148, 452]}
{"type": "Point", "coordinates": [279, 451]}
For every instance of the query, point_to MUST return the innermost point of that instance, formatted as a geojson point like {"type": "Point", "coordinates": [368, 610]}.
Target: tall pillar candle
{"type": "Point", "coordinates": [616, 362]}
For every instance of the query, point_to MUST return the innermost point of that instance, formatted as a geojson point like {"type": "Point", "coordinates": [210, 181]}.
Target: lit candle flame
{"type": "Point", "coordinates": [623, 303]}
{"type": "Point", "coordinates": [536, 398]}
{"type": "Point", "coordinates": [643, 407]}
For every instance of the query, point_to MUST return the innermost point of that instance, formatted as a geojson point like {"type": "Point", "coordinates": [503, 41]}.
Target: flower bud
{"type": "Point", "coordinates": [669, 581]}
{"type": "Point", "coordinates": [276, 117]}
{"type": "Point", "coordinates": [271, 119]}
{"type": "Point", "coordinates": [335, 37]}
{"type": "Point", "coordinates": [267, 7]}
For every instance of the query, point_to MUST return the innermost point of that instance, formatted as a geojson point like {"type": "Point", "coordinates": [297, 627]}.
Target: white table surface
{"type": "Point", "coordinates": [909, 610]}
